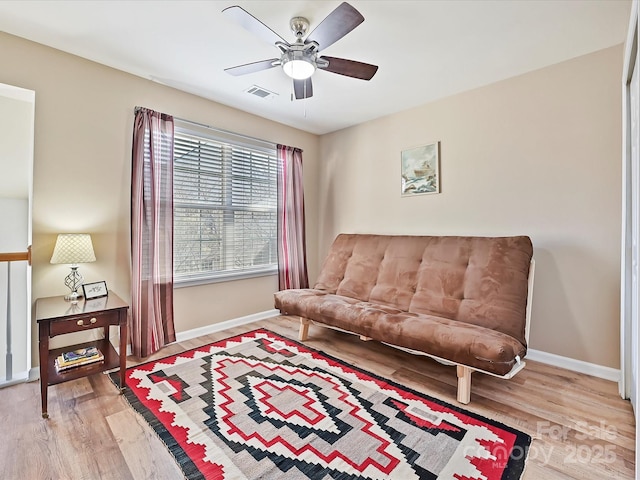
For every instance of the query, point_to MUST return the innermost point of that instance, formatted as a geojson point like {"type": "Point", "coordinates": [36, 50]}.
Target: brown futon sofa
{"type": "Point", "coordinates": [464, 301]}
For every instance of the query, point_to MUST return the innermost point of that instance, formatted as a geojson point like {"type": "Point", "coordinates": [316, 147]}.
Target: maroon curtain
{"type": "Point", "coordinates": [152, 233]}
{"type": "Point", "coordinates": [292, 254]}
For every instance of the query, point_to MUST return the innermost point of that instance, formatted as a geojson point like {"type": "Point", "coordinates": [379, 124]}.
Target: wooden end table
{"type": "Point", "coordinates": [56, 316]}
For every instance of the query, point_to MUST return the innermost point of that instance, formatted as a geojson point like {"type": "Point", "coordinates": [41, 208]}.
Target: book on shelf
{"type": "Point", "coordinates": [80, 353]}
{"type": "Point", "coordinates": [78, 358]}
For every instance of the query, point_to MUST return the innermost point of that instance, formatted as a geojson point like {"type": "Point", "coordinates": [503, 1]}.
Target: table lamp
{"type": "Point", "coordinates": [72, 249]}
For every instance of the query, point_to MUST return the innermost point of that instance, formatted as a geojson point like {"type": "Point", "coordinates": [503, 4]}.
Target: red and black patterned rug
{"type": "Point", "coordinates": [261, 406]}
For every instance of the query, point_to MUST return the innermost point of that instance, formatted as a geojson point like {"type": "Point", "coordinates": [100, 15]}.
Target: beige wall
{"type": "Point", "coordinates": [537, 154]}
{"type": "Point", "coordinates": [82, 163]}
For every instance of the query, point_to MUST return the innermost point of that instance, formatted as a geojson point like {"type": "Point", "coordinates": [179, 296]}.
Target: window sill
{"type": "Point", "coordinates": [194, 280]}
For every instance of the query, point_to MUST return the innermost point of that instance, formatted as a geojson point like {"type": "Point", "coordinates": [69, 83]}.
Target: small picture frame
{"type": "Point", "coordinates": [420, 170]}
{"type": "Point", "coordinates": [95, 290]}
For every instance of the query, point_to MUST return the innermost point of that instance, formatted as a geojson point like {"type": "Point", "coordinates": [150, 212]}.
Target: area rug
{"type": "Point", "coordinates": [261, 406]}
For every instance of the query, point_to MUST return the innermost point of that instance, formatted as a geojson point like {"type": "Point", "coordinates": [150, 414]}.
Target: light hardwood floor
{"type": "Point", "coordinates": [581, 428]}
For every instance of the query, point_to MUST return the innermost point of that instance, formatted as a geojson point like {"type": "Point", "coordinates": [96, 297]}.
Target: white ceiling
{"type": "Point", "coordinates": [425, 49]}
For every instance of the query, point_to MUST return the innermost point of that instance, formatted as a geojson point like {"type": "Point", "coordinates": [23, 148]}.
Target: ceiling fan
{"type": "Point", "coordinates": [300, 59]}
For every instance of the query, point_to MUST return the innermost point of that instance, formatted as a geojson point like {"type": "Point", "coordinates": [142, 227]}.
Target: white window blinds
{"type": "Point", "coordinates": [224, 206]}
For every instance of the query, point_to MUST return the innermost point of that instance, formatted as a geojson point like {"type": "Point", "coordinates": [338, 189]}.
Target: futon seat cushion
{"type": "Point", "coordinates": [459, 342]}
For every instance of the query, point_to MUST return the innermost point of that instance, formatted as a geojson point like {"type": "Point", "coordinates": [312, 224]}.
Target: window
{"type": "Point", "coordinates": [224, 206]}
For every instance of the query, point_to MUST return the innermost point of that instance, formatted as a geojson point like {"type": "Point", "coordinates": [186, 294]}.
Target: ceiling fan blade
{"type": "Point", "coordinates": [252, 24]}
{"type": "Point", "coordinates": [336, 25]}
{"type": "Point", "coordinates": [252, 67]}
{"type": "Point", "coordinates": [350, 68]}
{"type": "Point", "coordinates": [303, 88]}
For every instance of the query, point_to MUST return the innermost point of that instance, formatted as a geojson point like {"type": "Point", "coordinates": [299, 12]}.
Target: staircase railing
{"type": "Point", "coordinates": [11, 257]}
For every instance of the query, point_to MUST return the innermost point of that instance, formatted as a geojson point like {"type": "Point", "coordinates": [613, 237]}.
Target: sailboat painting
{"type": "Point", "coordinates": [420, 170]}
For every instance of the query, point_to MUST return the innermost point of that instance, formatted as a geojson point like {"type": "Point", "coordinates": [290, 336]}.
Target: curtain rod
{"type": "Point", "coordinates": [226, 132]}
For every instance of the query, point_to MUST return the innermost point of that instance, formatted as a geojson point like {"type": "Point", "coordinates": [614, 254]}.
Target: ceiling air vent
{"type": "Point", "coordinates": [260, 92]}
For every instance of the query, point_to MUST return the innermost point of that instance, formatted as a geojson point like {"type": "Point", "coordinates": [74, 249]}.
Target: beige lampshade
{"type": "Point", "coordinates": [73, 248]}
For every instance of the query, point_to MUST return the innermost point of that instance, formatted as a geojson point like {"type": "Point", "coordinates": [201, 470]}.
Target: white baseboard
{"type": "Point", "coordinates": [19, 377]}
{"type": "Point", "coordinates": [608, 373]}
{"type": "Point", "coordinates": [217, 327]}
{"type": "Point", "coordinates": [574, 365]}
{"type": "Point", "coordinates": [579, 366]}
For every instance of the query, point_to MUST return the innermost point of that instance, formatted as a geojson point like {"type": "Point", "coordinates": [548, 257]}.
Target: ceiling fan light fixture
{"type": "Point", "coordinates": [299, 60]}
{"type": "Point", "coordinates": [298, 66]}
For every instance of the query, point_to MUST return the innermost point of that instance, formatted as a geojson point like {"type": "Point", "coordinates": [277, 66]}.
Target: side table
{"type": "Point", "coordinates": [56, 316]}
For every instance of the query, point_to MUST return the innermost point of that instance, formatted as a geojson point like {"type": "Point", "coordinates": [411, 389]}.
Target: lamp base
{"type": "Point", "coordinates": [73, 297]}
{"type": "Point", "coordinates": [73, 282]}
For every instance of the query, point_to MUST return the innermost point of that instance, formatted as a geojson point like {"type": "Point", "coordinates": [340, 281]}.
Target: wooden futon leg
{"type": "Point", "coordinates": [304, 329]}
{"type": "Point", "coordinates": [464, 383]}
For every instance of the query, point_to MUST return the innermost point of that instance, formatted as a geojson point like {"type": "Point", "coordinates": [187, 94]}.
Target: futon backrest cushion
{"type": "Point", "coordinates": [477, 280]}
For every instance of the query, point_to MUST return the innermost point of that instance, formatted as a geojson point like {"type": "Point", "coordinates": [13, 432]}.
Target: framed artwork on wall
{"type": "Point", "coordinates": [420, 170]}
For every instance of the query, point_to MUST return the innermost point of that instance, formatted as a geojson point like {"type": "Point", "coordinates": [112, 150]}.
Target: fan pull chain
{"type": "Point", "coordinates": [304, 97]}
{"type": "Point", "coordinates": [305, 100]}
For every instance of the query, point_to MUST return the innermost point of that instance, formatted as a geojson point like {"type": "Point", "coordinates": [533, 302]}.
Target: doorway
{"type": "Point", "coordinates": [17, 108]}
